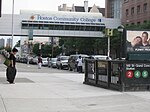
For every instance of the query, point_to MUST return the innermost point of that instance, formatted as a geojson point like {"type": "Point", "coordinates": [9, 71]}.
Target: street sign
{"type": "Point", "coordinates": [129, 74]}
{"type": "Point", "coordinates": [145, 74]}
{"type": "Point", "coordinates": [137, 72]}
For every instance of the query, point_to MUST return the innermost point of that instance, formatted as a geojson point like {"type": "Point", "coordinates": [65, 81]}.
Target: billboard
{"type": "Point", "coordinates": [138, 41]}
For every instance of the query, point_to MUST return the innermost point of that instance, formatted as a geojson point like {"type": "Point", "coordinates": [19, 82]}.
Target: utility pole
{"type": "Point", "coordinates": [109, 33]}
{"type": "Point", "coordinates": [12, 27]}
{"type": "Point", "coordinates": [0, 8]}
{"type": "Point", "coordinates": [108, 51]}
{"type": "Point", "coordinates": [52, 43]}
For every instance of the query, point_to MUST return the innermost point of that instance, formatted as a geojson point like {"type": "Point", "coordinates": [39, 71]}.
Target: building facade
{"type": "Point", "coordinates": [135, 12]}
{"type": "Point", "coordinates": [51, 24]}
{"type": "Point", "coordinates": [84, 8]}
{"type": "Point", "coordinates": [9, 42]}
{"type": "Point", "coordinates": [113, 9]}
{"type": "Point", "coordinates": [2, 42]}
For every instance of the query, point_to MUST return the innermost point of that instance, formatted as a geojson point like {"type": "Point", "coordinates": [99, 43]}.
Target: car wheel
{"type": "Point", "coordinates": [61, 67]}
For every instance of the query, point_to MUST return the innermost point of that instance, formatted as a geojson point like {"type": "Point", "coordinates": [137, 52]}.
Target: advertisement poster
{"type": "Point", "coordinates": [138, 41]}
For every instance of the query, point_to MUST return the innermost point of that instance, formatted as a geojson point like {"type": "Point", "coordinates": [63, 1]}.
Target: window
{"type": "Point", "coordinates": [145, 21]}
{"type": "Point", "coordinates": [126, 1]}
{"type": "Point", "coordinates": [127, 12]}
{"type": "Point", "coordinates": [73, 27]}
{"type": "Point", "coordinates": [138, 9]}
{"type": "Point", "coordinates": [132, 10]}
{"type": "Point", "coordinates": [132, 23]}
{"type": "Point", "coordinates": [138, 23]}
{"type": "Point", "coordinates": [145, 7]}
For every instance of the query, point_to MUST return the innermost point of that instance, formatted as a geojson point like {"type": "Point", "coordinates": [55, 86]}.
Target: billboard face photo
{"type": "Point", "coordinates": [138, 41]}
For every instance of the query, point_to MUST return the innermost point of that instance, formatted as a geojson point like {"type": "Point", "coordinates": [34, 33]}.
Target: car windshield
{"type": "Point", "coordinates": [65, 58]}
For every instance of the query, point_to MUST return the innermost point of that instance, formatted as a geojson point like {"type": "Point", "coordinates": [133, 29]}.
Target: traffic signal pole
{"type": "Point", "coordinates": [108, 51]}
{"type": "Point", "coordinates": [109, 33]}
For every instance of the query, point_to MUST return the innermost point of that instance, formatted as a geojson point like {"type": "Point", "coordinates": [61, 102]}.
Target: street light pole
{"type": "Point", "coordinates": [52, 43]}
{"type": "Point", "coordinates": [121, 29]}
{"type": "Point", "coordinates": [12, 27]}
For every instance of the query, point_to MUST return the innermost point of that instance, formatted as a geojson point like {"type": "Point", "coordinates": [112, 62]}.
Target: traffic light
{"type": "Point", "coordinates": [109, 32]}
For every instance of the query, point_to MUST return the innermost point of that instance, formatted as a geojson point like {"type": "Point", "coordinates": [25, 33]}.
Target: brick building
{"type": "Point", "coordinates": [135, 12]}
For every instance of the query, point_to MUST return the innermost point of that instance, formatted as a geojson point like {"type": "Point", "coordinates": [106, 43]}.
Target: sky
{"type": "Point", "coordinates": [51, 5]}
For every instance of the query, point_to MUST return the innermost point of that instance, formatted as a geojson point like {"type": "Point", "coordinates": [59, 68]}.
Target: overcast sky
{"type": "Point", "coordinates": [51, 5]}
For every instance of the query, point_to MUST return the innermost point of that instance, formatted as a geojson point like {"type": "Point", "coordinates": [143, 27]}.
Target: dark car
{"type": "Point", "coordinates": [72, 61]}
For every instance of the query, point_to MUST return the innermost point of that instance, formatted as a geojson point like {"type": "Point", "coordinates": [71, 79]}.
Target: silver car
{"type": "Point", "coordinates": [52, 62]}
{"type": "Point", "coordinates": [44, 62]}
{"type": "Point", "coordinates": [62, 62]}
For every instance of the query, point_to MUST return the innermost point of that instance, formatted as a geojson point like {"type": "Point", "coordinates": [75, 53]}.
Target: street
{"type": "Point", "coordinates": [53, 90]}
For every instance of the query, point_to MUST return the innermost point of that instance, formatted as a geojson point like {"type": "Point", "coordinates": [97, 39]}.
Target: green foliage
{"type": "Point", "coordinates": [91, 45]}
{"type": "Point", "coordinates": [144, 26]}
{"type": "Point", "coordinates": [8, 49]}
{"type": "Point", "coordinates": [17, 44]}
{"type": "Point", "coordinates": [84, 45]}
{"type": "Point", "coordinates": [115, 40]}
{"type": "Point", "coordinates": [36, 48]}
{"type": "Point", "coordinates": [1, 48]}
{"type": "Point", "coordinates": [46, 50]}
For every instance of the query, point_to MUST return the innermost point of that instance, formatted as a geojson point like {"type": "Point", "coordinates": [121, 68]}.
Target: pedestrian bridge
{"type": "Point", "coordinates": [56, 24]}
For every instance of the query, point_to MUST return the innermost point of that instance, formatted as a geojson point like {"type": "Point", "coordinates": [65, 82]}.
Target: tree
{"type": "Point", "coordinates": [8, 49]}
{"type": "Point", "coordinates": [17, 44]}
{"type": "Point", "coordinates": [36, 48]}
{"type": "Point", "coordinates": [46, 50]}
{"type": "Point", "coordinates": [143, 26]}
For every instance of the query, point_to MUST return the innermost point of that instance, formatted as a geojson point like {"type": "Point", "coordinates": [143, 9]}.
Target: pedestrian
{"type": "Point", "coordinates": [11, 69]}
{"type": "Point", "coordinates": [39, 62]}
{"type": "Point", "coordinates": [145, 39]}
{"type": "Point", "coordinates": [27, 59]}
{"type": "Point", "coordinates": [79, 64]}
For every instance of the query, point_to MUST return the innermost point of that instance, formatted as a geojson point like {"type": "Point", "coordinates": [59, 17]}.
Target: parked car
{"type": "Point", "coordinates": [44, 62]}
{"type": "Point", "coordinates": [35, 60]}
{"type": "Point", "coordinates": [52, 63]}
{"type": "Point", "coordinates": [23, 59]}
{"type": "Point", "coordinates": [18, 58]}
{"type": "Point", "coordinates": [30, 58]}
{"type": "Point", "coordinates": [72, 61]}
{"type": "Point", "coordinates": [62, 62]}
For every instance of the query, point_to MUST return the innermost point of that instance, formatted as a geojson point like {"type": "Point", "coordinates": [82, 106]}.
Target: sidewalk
{"type": "Point", "coordinates": [64, 92]}
{"type": "Point", "coordinates": [49, 91]}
